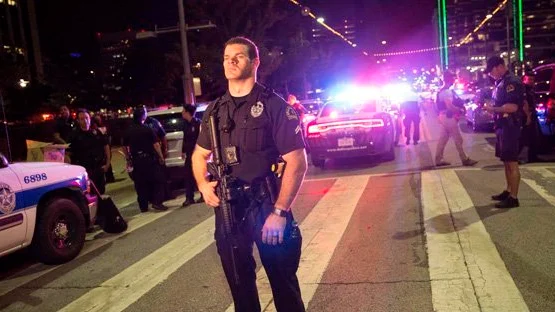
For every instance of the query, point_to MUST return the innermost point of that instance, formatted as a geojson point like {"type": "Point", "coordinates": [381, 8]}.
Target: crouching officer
{"type": "Point", "coordinates": [509, 98]}
{"type": "Point", "coordinates": [254, 127]}
{"type": "Point", "coordinates": [142, 151]}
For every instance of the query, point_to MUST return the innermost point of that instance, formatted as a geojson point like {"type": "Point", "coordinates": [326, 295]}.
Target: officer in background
{"type": "Point", "coordinates": [256, 127]}
{"type": "Point", "coordinates": [142, 150]}
{"type": "Point", "coordinates": [158, 129]}
{"type": "Point", "coordinates": [64, 126]}
{"type": "Point", "coordinates": [530, 138]}
{"type": "Point", "coordinates": [191, 128]}
{"type": "Point", "coordinates": [449, 107]}
{"type": "Point", "coordinates": [509, 98]}
{"type": "Point", "coordinates": [89, 148]}
{"type": "Point", "coordinates": [410, 107]}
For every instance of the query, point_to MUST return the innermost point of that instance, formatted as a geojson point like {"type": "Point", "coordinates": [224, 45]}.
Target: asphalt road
{"type": "Point", "coordinates": [393, 236]}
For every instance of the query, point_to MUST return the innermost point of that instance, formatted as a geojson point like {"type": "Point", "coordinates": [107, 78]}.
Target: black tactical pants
{"type": "Point", "coordinates": [413, 119]}
{"type": "Point", "coordinates": [280, 263]}
{"type": "Point", "coordinates": [190, 183]}
{"type": "Point", "coordinates": [149, 182]}
{"type": "Point", "coordinates": [96, 175]}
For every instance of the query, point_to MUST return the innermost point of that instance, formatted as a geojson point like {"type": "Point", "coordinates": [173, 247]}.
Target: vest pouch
{"type": "Point", "coordinates": [254, 132]}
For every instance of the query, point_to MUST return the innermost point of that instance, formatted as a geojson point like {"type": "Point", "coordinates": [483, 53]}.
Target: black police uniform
{"type": "Point", "coordinates": [147, 171]}
{"type": "Point", "coordinates": [64, 126]}
{"type": "Point", "coordinates": [87, 150]}
{"type": "Point", "coordinates": [411, 109]}
{"type": "Point", "coordinates": [530, 133]}
{"type": "Point", "coordinates": [190, 134]}
{"type": "Point", "coordinates": [508, 89]}
{"type": "Point", "coordinates": [261, 127]}
{"type": "Point", "coordinates": [158, 129]}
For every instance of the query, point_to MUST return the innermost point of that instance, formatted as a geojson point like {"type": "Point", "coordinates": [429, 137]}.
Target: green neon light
{"type": "Point", "coordinates": [446, 53]}
{"type": "Point", "coordinates": [440, 28]}
{"type": "Point", "coordinates": [520, 33]}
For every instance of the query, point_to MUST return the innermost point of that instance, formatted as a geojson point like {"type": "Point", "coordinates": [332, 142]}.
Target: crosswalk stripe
{"type": "Point", "coordinates": [322, 230]}
{"type": "Point", "coordinates": [119, 292]}
{"type": "Point", "coordinates": [466, 271]}
{"type": "Point", "coordinates": [533, 184]}
{"type": "Point", "coordinates": [92, 244]}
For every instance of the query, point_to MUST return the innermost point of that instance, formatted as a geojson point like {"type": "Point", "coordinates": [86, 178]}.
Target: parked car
{"type": "Point", "coordinates": [47, 206]}
{"type": "Point", "coordinates": [346, 129]}
{"type": "Point", "coordinates": [476, 116]}
{"type": "Point", "coordinates": [545, 98]}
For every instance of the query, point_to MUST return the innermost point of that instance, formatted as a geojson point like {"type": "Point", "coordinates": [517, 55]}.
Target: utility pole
{"type": "Point", "coordinates": [189, 95]}
{"type": "Point", "coordinates": [508, 15]}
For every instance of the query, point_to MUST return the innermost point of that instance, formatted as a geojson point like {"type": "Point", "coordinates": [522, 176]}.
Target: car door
{"type": "Point", "coordinates": [12, 217]}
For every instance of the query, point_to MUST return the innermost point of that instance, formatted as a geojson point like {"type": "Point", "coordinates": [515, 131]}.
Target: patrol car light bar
{"type": "Point", "coordinates": [362, 123]}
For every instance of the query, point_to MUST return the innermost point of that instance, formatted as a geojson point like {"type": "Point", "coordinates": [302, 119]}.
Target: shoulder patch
{"type": "Point", "coordinates": [510, 87]}
{"type": "Point", "coordinates": [291, 114]}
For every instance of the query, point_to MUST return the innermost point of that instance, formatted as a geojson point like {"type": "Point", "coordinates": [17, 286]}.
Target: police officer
{"type": "Point", "coordinates": [509, 97]}
{"type": "Point", "coordinates": [142, 149]}
{"type": "Point", "coordinates": [411, 111]}
{"type": "Point", "coordinates": [191, 127]}
{"type": "Point", "coordinates": [89, 148]}
{"type": "Point", "coordinates": [64, 126]}
{"type": "Point", "coordinates": [256, 127]}
{"type": "Point", "coordinates": [530, 130]}
{"type": "Point", "coordinates": [158, 129]}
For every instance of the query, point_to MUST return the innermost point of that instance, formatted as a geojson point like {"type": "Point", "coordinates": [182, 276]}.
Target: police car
{"type": "Point", "coordinates": [45, 205]}
{"type": "Point", "coordinates": [172, 122]}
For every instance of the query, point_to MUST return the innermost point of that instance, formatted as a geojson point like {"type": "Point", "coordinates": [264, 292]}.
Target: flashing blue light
{"type": "Point", "coordinates": [75, 55]}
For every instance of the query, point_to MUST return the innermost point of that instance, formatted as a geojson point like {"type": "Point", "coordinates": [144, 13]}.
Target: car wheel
{"type": "Point", "coordinates": [60, 232]}
{"type": "Point", "coordinates": [390, 154]}
{"type": "Point", "coordinates": [318, 162]}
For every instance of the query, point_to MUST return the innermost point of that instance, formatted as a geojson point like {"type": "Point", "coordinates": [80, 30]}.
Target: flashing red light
{"type": "Point", "coordinates": [99, 34]}
{"type": "Point", "coordinates": [129, 29]}
{"type": "Point", "coordinates": [47, 117]}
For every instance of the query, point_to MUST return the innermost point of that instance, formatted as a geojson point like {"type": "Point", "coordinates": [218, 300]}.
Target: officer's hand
{"type": "Point", "coordinates": [162, 161]}
{"type": "Point", "coordinates": [528, 120]}
{"type": "Point", "coordinates": [208, 190]}
{"type": "Point", "coordinates": [183, 156]}
{"type": "Point", "coordinates": [272, 231]}
{"type": "Point", "coordinates": [105, 168]}
{"type": "Point", "coordinates": [488, 108]}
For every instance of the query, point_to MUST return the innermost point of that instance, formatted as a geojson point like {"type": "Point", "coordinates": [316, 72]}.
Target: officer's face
{"type": "Point", "coordinates": [497, 72]}
{"type": "Point", "coordinates": [237, 64]}
{"type": "Point", "coordinates": [64, 112]}
{"type": "Point", "coordinates": [84, 120]}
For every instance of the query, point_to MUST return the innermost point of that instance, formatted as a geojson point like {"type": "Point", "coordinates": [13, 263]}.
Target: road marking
{"type": "Point", "coordinates": [92, 244]}
{"type": "Point", "coordinates": [322, 230]}
{"type": "Point", "coordinates": [466, 271]}
{"type": "Point", "coordinates": [542, 191]}
{"type": "Point", "coordinates": [122, 290]}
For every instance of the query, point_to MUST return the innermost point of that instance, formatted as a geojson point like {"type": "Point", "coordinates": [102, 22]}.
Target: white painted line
{"type": "Point", "coordinates": [91, 245]}
{"type": "Point", "coordinates": [122, 290]}
{"type": "Point", "coordinates": [322, 230]}
{"type": "Point", "coordinates": [466, 271]}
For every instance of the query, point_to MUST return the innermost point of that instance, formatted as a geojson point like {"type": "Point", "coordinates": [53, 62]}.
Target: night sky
{"type": "Point", "coordinates": [70, 26]}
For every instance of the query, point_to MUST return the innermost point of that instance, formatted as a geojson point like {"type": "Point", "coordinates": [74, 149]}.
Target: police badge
{"type": "Point", "coordinates": [7, 199]}
{"type": "Point", "coordinates": [257, 109]}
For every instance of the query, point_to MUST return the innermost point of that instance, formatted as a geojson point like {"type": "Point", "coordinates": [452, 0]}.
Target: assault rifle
{"type": "Point", "coordinates": [219, 171]}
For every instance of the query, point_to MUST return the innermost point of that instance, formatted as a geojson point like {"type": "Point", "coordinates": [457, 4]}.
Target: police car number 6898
{"type": "Point", "coordinates": [47, 206]}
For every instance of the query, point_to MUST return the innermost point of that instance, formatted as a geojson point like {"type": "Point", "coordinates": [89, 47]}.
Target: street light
{"type": "Point", "coordinates": [384, 42]}
{"type": "Point", "coordinates": [320, 20]}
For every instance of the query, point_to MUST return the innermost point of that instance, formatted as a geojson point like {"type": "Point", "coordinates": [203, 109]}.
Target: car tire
{"type": "Point", "coordinates": [390, 154]}
{"type": "Point", "coordinates": [318, 162]}
{"type": "Point", "coordinates": [60, 232]}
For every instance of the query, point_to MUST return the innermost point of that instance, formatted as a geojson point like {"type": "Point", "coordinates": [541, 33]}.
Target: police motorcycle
{"type": "Point", "coordinates": [47, 206]}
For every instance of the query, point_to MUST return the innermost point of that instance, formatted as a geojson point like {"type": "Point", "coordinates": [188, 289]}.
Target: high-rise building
{"type": "Point", "coordinates": [500, 34]}
{"type": "Point", "coordinates": [347, 28]}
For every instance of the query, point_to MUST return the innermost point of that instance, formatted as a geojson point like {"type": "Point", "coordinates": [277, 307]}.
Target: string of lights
{"type": "Point", "coordinates": [307, 12]}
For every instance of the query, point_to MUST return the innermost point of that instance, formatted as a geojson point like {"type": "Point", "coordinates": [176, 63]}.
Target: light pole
{"type": "Point", "coordinates": [188, 96]}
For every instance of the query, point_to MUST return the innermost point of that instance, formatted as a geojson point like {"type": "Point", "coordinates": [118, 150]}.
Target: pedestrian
{"type": "Point", "coordinates": [191, 127]}
{"type": "Point", "coordinates": [98, 125]}
{"type": "Point", "coordinates": [449, 107]}
{"type": "Point", "coordinates": [143, 153]}
{"type": "Point", "coordinates": [65, 124]}
{"type": "Point", "coordinates": [410, 107]}
{"type": "Point", "coordinates": [255, 127]}
{"type": "Point", "coordinates": [509, 98]}
{"type": "Point", "coordinates": [530, 137]}
{"type": "Point", "coordinates": [89, 148]}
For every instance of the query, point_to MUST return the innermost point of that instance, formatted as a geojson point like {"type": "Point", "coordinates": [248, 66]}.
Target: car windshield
{"type": "Point", "coordinates": [337, 109]}
{"type": "Point", "coordinates": [171, 122]}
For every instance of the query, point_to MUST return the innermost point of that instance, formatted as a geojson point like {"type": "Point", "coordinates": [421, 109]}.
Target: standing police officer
{"type": "Point", "coordinates": [509, 97]}
{"type": "Point", "coordinates": [142, 149]}
{"type": "Point", "coordinates": [191, 127]}
{"type": "Point", "coordinates": [256, 127]}
{"type": "Point", "coordinates": [89, 148]}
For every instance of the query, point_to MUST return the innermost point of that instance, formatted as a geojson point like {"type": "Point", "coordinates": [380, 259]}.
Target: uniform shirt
{"type": "Point", "coordinates": [190, 135]}
{"type": "Point", "coordinates": [87, 148]}
{"type": "Point", "coordinates": [156, 126]}
{"type": "Point", "coordinates": [509, 89]}
{"type": "Point", "coordinates": [64, 127]}
{"type": "Point", "coordinates": [530, 97]}
{"type": "Point", "coordinates": [264, 127]}
{"type": "Point", "coordinates": [141, 140]}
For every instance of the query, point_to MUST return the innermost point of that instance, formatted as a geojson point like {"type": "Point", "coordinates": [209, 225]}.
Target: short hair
{"type": "Point", "coordinates": [189, 108]}
{"type": "Point", "coordinates": [82, 110]}
{"type": "Point", "coordinates": [493, 62]}
{"type": "Point", "coordinates": [251, 47]}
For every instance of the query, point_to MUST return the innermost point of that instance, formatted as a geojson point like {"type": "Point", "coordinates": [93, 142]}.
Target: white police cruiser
{"type": "Point", "coordinates": [46, 205]}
